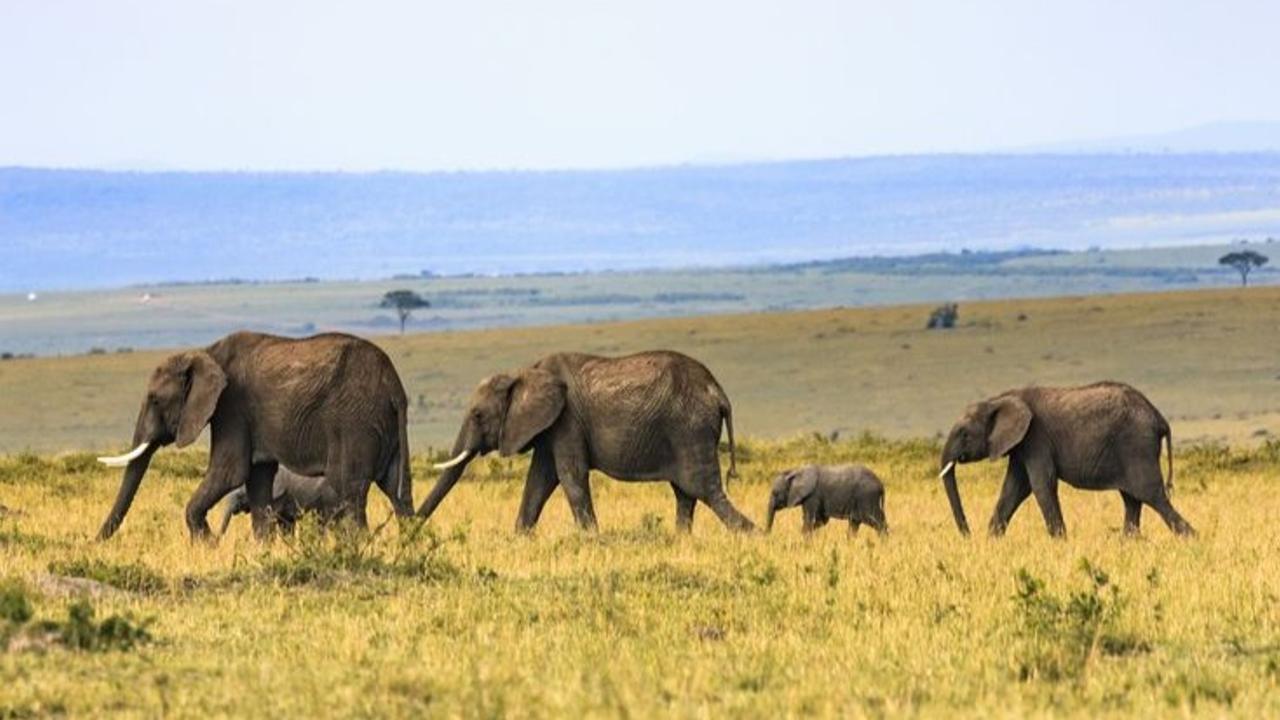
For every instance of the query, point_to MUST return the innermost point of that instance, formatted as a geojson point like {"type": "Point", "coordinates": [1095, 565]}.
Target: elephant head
{"type": "Point", "coordinates": [987, 430]}
{"type": "Point", "coordinates": [507, 412]}
{"type": "Point", "coordinates": [181, 397]}
{"type": "Point", "coordinates": [790, 488]}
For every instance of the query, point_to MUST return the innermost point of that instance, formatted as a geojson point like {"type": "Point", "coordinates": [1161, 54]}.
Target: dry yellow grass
{"type": "Point", "coordinates": [637, 621]}
{"type": "Point", "coordinates": [470, 619]}
{"type": "Point", "coordinates": [1206, 358]}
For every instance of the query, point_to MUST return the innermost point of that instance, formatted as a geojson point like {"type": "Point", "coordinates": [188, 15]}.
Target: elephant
{"type": "Point", "coordinates": [1104, 436]}
{"type": "Point", "coordinates": [851, 492]}
{"type": "Point", "coordinates": [649, 416]}
{"type": "Point", "coordinates": [330, 404]}
{"type": "Point", "coordinates": [291, 495]}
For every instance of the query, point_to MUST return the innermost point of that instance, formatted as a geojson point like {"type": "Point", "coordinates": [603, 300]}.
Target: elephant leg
{"type": "Point", "coordinates": [574, 479]}
{"type": "Point", "coordinates": [685, 505]}
{"type": "Point", "coordinates": [1147, 486]}
{"type": "Point", "coordinates": [1016, 489]}
{"type": "Point", "coordinates": [810, 520]}
{"type": "Point", "coordinates": [878, 523]}
{"type": "Point", "coordinates": [228, 470]}
{"type": "Point", "coordinates": [1132, 513]}
{"type": "Point", "coordinates": [1171, 517]}
{"type": "Point", "coordinates": [701, 479]}
{"type": "Point", "coordinates": [728, 514]}
{"type": "Point", "coordinates": [351, 467]}
{"type": "Point", "coordinates": [538, 486]}
{"type": "Point", "coordinates": [854, 525]}
{"type": "Point", "coordinates": [1043, 479]}
{"type": "Point", "coordinates": [259, 489]}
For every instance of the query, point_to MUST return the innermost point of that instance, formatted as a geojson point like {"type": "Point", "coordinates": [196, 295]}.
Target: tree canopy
{"type": "Point", "coordinates": [1244, 261]}
{"type": "Point", "coordinates": [404, 302]}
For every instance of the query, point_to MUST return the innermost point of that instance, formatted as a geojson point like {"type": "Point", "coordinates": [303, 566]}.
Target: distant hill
{"type": "Point", "coordinates": [194, 314]}
{"type": "Point", "coordinates": [80, 229]}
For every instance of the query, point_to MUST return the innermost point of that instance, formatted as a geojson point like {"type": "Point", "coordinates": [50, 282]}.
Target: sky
{"type": "Point", "coordinates": [317, 85]}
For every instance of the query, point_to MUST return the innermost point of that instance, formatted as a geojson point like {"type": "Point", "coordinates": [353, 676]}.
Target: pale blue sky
{"type": "Point", "coordinates": [560, 83]}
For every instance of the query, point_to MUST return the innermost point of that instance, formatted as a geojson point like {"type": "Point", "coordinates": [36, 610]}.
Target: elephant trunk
{"type": "Point", "coordinates": [226, 521]}
{"type": "Point", "coordinates": [953, 495]}
{"type": "Point", "coordinates": [462, 457]}
{"type": "Point", "coordinates": [236, 502]}
{"type": "Point", "coordinates": [133, 473]}
{"type": "Point", "coordinates": [768, 516]}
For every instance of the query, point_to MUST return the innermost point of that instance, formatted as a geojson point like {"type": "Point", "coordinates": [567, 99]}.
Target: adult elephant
{"type": "Point", "coordinates": [1104, 436]}
{"type": "Point", "coordinates": [330, 405]}
{"type": "Point", "coordinates": [649, 416]}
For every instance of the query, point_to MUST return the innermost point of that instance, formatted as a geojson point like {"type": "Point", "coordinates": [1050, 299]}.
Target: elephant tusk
{"type": "Point", "coordinates": [456, 461]}
{"type": "Point", "coordinates": [946, 469]}
{"type": "Point", "coordinates": [125, 459]}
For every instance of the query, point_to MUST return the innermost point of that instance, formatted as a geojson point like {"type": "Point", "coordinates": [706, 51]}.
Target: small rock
{"type": "Point", "coordinates": [63, 586]}
{"type": "Point", "coordinates": [34, 640]}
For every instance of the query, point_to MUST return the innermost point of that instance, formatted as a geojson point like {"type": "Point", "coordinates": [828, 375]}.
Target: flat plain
{"type": "Point", "coordinates": [1207, 358]}
{"type": "Point", "coordinates": [464, 617]}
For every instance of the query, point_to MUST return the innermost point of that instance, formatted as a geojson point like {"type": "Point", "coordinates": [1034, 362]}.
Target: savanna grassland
{"type": "Point", "coordinates": [1206, 358]}
{"type": "Point", "coordinates": [463, 617]}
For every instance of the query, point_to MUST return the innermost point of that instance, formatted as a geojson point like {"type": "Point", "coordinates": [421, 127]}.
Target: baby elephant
{"type": "Point", "coordinates": [830, 491]}
{"type": "Point", "coordinates": [291, 495]}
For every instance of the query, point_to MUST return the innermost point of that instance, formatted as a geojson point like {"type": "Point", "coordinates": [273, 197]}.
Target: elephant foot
{"type": "Point", "coordinates": [203, 536]}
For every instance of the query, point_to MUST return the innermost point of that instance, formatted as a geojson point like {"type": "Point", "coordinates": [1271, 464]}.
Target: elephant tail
{"type": "Point", "coordinates": [404, 480]}
{"type": "Point", "coordinates": [726, 413]}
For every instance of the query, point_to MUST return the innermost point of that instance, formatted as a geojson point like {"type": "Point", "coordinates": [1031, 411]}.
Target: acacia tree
{"type": "Point", "coordinates": [404, 302]}
{"type": "Point", "coordinates": [1244, 261]}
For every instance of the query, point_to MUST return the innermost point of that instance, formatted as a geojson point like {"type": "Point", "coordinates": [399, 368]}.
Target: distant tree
{"type": "Point", "coordinates": [943, 317]}
{"type": "Point", "coordinates": [404, 302]}
{"type": "Point", "coordinates": [1244, 261]}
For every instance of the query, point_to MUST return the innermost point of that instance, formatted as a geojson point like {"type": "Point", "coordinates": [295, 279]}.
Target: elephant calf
{"type": "Point", "coordinates": [850, 492]}
{"type": "Point", "coordinates": [291, 495]}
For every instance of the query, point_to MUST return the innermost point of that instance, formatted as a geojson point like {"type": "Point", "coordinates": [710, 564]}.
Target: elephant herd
{"type": "Point", "coordinates": [309, 424]}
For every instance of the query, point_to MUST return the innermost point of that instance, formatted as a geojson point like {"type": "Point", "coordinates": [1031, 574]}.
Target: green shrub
{"type": "Point", "coordinates": [1062, 635]}
{"type": "Point", "coordinates": [15, 605]}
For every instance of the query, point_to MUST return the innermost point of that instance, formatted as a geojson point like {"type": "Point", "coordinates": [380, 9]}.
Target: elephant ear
{"type": "Point", "coordinates": [803, 482]}
{"type": "Point", "coordinates": [205, 382]}
{"type": "Point", "coordinates": [1010, 419]}
{"type": "Point", "coordinates": [535, 401]}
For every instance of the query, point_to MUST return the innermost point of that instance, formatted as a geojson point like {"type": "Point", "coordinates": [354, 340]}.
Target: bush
{"type": "Point", "coordinates": [1062, 636]}
{"type": "Point", "coordinates": [77, 632]}
{"type": "Point", "coordinates": [15, 606]}
{"type": "Point", "coordinates": [943, 317]}
{"type": "Point", "coordinates": [80, 632]}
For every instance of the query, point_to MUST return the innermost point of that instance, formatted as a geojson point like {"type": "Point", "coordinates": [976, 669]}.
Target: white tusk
{"type": "Point", "coordinates": [125, 459]}
{"type": "Point", "coordinates": [448, 464]}
{"type": "Point", "coordinates": [946, 469]}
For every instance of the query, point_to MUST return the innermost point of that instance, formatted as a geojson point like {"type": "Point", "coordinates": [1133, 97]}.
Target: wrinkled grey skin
{"type": "Point", "coordinates": [291, 495]}
{"type": "Point", "coordinates": [850, 492]}
{"type": "Point", "coordinates": [1104, 436]}
{"type": "Point", "coordinates": [649, 416]}
{"type": "Point", "coordinates": [329, 405]}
